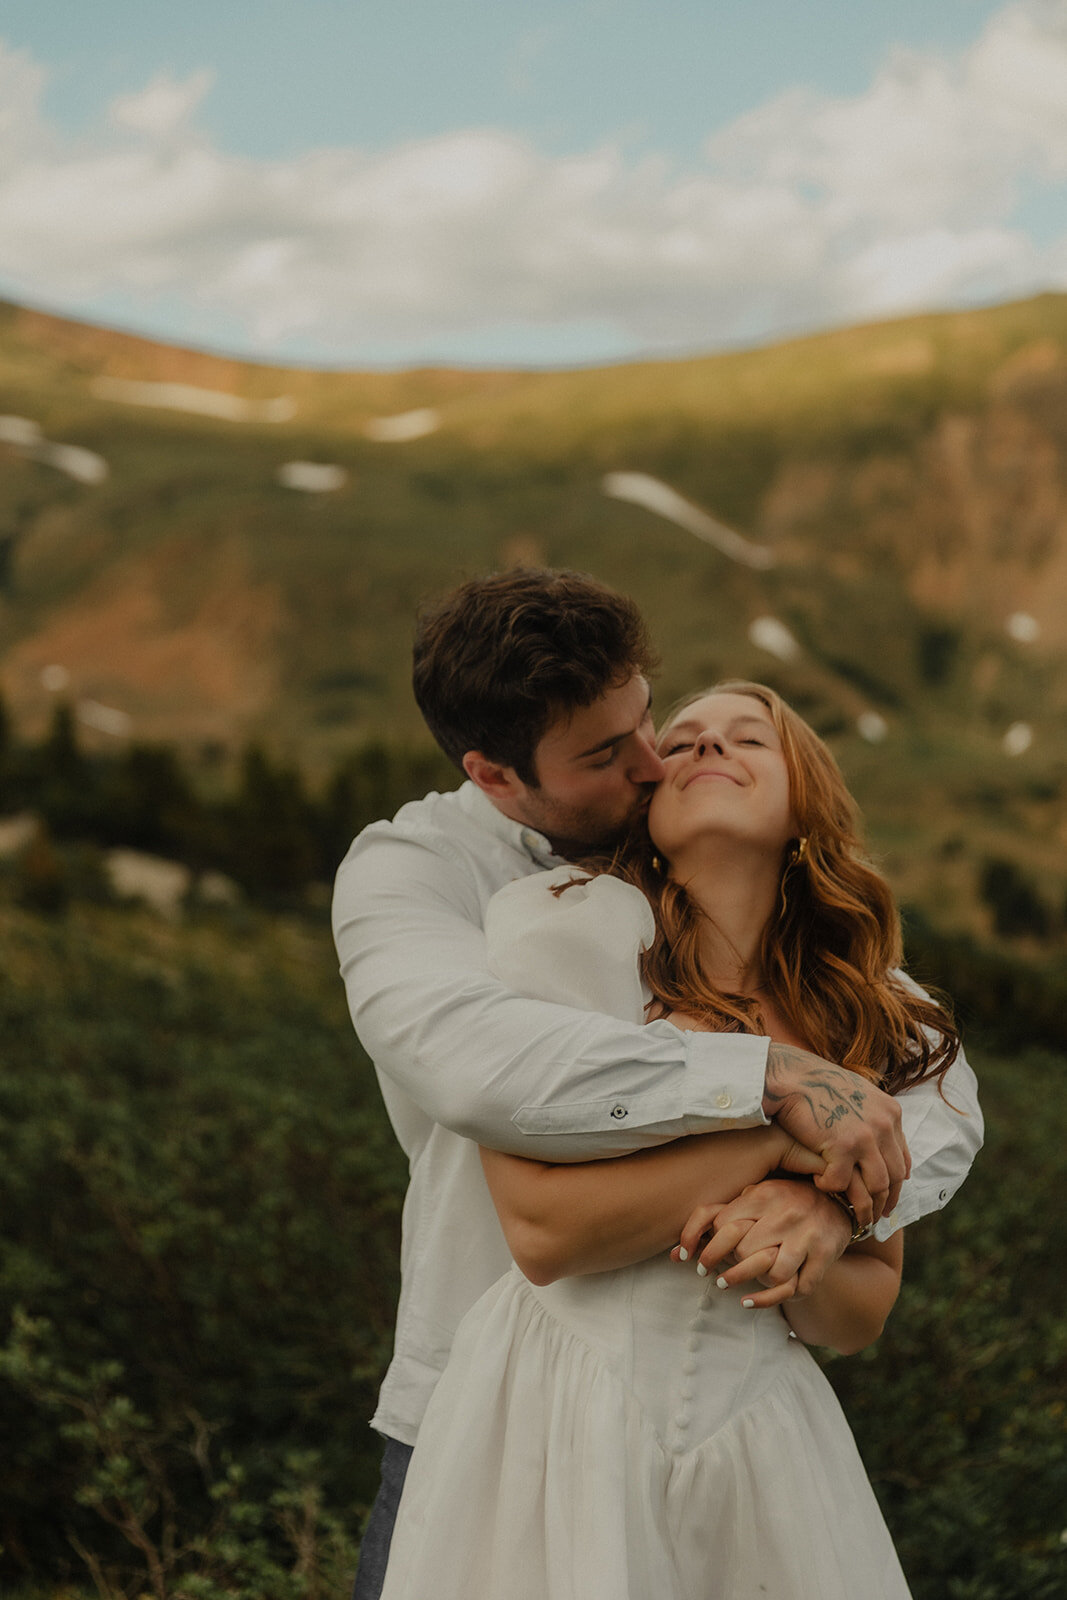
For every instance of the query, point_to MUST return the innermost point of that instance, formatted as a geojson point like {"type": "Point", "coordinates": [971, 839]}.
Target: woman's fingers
{"type": "Point", "coordinates": [759, 1299]}
{"type": "Point", "coordinates": [698, 1226]}
{"type": "Point", "coordinates": [723, 1242]}
{"type": "Point", "coordinates": [758, 1265]}
{"type": "Point", "coordinates": [761, 1271]}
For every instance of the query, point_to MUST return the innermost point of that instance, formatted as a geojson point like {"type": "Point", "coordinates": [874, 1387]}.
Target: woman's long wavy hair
{"type": "Point", "coordinates": [829, 953]}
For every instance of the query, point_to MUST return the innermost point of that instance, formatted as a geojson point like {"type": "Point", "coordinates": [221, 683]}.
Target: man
{"type": "Point", "coordinates": [535, 684]}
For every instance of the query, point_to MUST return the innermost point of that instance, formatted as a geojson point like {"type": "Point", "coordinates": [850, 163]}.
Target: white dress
{"type": "Point", "coordinates": [628, 1435]}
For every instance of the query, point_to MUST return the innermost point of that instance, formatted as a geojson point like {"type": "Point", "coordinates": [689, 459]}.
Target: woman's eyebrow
{"type": "Point", "coordinates": [685, 724]}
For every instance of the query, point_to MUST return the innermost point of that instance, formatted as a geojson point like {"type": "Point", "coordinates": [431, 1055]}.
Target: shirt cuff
{"type": "Point", "coordinates": [717, 1084]}
{"type": "Point", "coordinates": [725, 1080]}
{"type": "Point", "coordinates": [917, 1200]}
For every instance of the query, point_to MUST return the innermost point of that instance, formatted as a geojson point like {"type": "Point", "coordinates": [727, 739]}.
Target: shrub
{"type": "Point", "coordinates": [1016, 905]}
{"type": "Point", "coordinates": [959, 1411]}
{"type": "Point", "coordinates": [197, 1270]}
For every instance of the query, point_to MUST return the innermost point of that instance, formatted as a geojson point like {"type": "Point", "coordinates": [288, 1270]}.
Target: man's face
{"type": "Point", "coordinates": [596, 770]}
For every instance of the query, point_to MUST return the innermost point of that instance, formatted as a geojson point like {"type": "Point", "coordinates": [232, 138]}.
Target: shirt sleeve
{"type": "Point", "coordinates": [944, 1128]}
{"type": "Point", "coordinates": [516, 1074]}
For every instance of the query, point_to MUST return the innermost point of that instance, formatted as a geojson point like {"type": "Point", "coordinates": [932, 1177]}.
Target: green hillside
{"type": "Point", "coordinates": [910, 479]}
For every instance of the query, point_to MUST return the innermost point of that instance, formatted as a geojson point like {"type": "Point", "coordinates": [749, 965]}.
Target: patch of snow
{"type": "Point", "coordinates": [20, 431]}
{"type": "Point", "coordinates": [312, 477]}
{"type": "Point", "coordinates": [1022, 627]}
{"type": "Point", "coordinates": [767, 633]}
{"type": "Point", "coordinates": [200, 402]}
{"type": "Point", "coordinates": [85, 466]}
{"type": "Point", "coordinates": [406, 425]}
{"type": "Point", "coordinates": [871, 727]}
{"type": "Point", "coordinates": [642, 490]}
{"type": "Point", "coordinates": [1018, 739]}
{"type": "Point", "coordinates": [105, 719]}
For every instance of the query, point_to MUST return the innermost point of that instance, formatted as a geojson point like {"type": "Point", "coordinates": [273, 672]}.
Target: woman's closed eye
{"type": "Point", "coordinates": [673, 749]}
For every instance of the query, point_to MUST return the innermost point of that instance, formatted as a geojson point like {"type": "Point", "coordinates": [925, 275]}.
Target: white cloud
{"type": "Point", "coordinates": [163, 106]}
{"type": "Point", "coordinates": [810, 209]}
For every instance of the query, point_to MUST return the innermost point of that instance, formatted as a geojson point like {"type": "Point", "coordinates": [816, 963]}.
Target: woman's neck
{"type": "Point", "coordinates": [738, 894]}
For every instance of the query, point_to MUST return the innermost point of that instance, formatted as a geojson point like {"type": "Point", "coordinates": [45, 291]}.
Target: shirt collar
{"type": "Point", "coordinates": [518, 834]}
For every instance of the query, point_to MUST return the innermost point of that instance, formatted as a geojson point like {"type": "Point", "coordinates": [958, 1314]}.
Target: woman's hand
{"type": "Point", "coordinates": [780, 1233]}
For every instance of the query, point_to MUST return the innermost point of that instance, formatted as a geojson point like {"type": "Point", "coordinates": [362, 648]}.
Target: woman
{"type": "Point", "coordinates": [612, 1424]}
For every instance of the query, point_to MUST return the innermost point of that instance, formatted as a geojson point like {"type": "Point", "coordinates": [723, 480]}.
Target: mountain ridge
{"type": "Point", "coordinates": [251, 568]}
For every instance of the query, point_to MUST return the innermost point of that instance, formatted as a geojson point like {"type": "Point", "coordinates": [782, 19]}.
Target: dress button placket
{"type": "Point", "coordinates": [683, 1415]}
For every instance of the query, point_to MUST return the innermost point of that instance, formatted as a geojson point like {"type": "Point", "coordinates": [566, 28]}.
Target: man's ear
{"type": "Point", "coordinates": [500, 784]}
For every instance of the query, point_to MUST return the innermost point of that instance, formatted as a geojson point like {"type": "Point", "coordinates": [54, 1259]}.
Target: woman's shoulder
{"type": "Point", "coordinates": [569, 936]}
{"type": "Point", "coordinates": [570, 894]}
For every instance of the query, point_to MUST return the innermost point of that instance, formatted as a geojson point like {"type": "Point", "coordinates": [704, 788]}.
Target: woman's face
{"type": "Point", "coordinates": [726, 779]}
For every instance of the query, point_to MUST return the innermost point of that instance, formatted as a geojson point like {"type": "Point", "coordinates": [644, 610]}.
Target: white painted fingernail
{"type": "Point", "coordinates": [748, 1304]}
{"type": "Point", "coordinates": [683, 1253]}
{"type": "Point", "coordinates": [702, 1270]}
{"type": "Point", "coordinates": [721, 1283]}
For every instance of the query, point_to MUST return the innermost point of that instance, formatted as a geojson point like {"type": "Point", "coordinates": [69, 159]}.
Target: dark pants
{"type": "Point", "coordinates": [378, 1534]}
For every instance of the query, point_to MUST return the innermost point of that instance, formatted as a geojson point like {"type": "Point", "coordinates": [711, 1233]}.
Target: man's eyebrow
{"type": "Point", "coordinates": [616, 738]}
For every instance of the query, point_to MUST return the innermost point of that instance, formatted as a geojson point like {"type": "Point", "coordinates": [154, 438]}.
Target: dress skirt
{"type": "Point", "coordinates": [636, 1435]}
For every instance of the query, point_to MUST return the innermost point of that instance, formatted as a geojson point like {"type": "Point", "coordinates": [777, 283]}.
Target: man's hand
{"type": "Point", "coordinates": [855, 1126]}
{"type": "Point", "coordinates": [783, 1234]}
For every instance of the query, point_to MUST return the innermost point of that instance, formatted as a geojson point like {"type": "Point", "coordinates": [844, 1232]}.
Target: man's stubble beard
{"type": "Point", "coordinates": [574, 831]}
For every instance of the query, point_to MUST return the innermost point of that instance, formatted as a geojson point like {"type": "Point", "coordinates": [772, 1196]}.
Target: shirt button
{"type": "Point", "coordinates": [943, 1196]}
{"type": "Point", "coordinates": [724, 1100]}
{"type": "Point", "coordinates": [618, 1112]}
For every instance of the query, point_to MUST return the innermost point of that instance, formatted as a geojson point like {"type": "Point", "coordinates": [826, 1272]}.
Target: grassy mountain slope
{"type": "Point", "coordinates": [911, 478]}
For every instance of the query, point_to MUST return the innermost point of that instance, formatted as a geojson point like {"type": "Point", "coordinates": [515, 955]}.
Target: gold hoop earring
{"type": "Point", "coordinates": [796, 856]}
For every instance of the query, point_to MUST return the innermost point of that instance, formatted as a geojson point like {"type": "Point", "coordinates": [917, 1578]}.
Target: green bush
{"type": "Point", "coordinates": [1016, 905]}
{"type": "Point", "coordinates": [197, 1272]}
{"type": "Point", "coordinates": [959, 1411]}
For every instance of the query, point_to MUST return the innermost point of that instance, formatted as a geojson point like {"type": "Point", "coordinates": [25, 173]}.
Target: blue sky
{"type": "Point", "coordinates": [359, 182]}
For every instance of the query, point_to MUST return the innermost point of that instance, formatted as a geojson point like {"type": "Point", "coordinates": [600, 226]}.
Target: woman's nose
{"type": "Point", "coordinates": [708, 741]}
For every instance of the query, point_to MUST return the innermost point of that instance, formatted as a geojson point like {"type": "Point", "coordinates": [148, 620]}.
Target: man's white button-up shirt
{"type": "Point", "coordinates": [462, 1061]}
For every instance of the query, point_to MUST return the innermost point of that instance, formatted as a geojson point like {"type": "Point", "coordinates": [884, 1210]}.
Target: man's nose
{"type": "Point", "coordinates": [647, 766]}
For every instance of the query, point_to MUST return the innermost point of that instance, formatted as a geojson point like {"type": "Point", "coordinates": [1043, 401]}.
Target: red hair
{"type": "Point", "coordinates": [831, 953]}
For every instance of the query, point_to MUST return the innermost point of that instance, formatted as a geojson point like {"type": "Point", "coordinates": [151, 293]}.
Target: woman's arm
{"type": "Point", "coordinates": [789, 1242]}
{"type": "Point", "coordinates": [593, 1216]}
{"type": "Point", "coordinates": [848, 1310]}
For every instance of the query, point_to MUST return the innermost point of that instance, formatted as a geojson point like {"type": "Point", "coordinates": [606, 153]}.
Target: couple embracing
{"type": "Point", "coordinates": [636, 1009]}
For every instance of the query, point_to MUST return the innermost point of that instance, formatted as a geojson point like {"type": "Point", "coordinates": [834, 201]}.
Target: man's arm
{"type": "Point", "coordinates": [541, 1080]}
{"type": "Point", "coordinates": [944, 1129]}
{"type": "Point", "coordinates": [552, 1082]}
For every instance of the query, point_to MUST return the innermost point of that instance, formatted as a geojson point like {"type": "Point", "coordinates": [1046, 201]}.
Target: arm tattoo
{"type": "Point", "coordinates": [831, 1092]}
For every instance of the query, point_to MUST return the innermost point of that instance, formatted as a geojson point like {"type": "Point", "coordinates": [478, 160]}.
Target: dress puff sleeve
{"type": "Point", "coordinates": [578, 948]}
